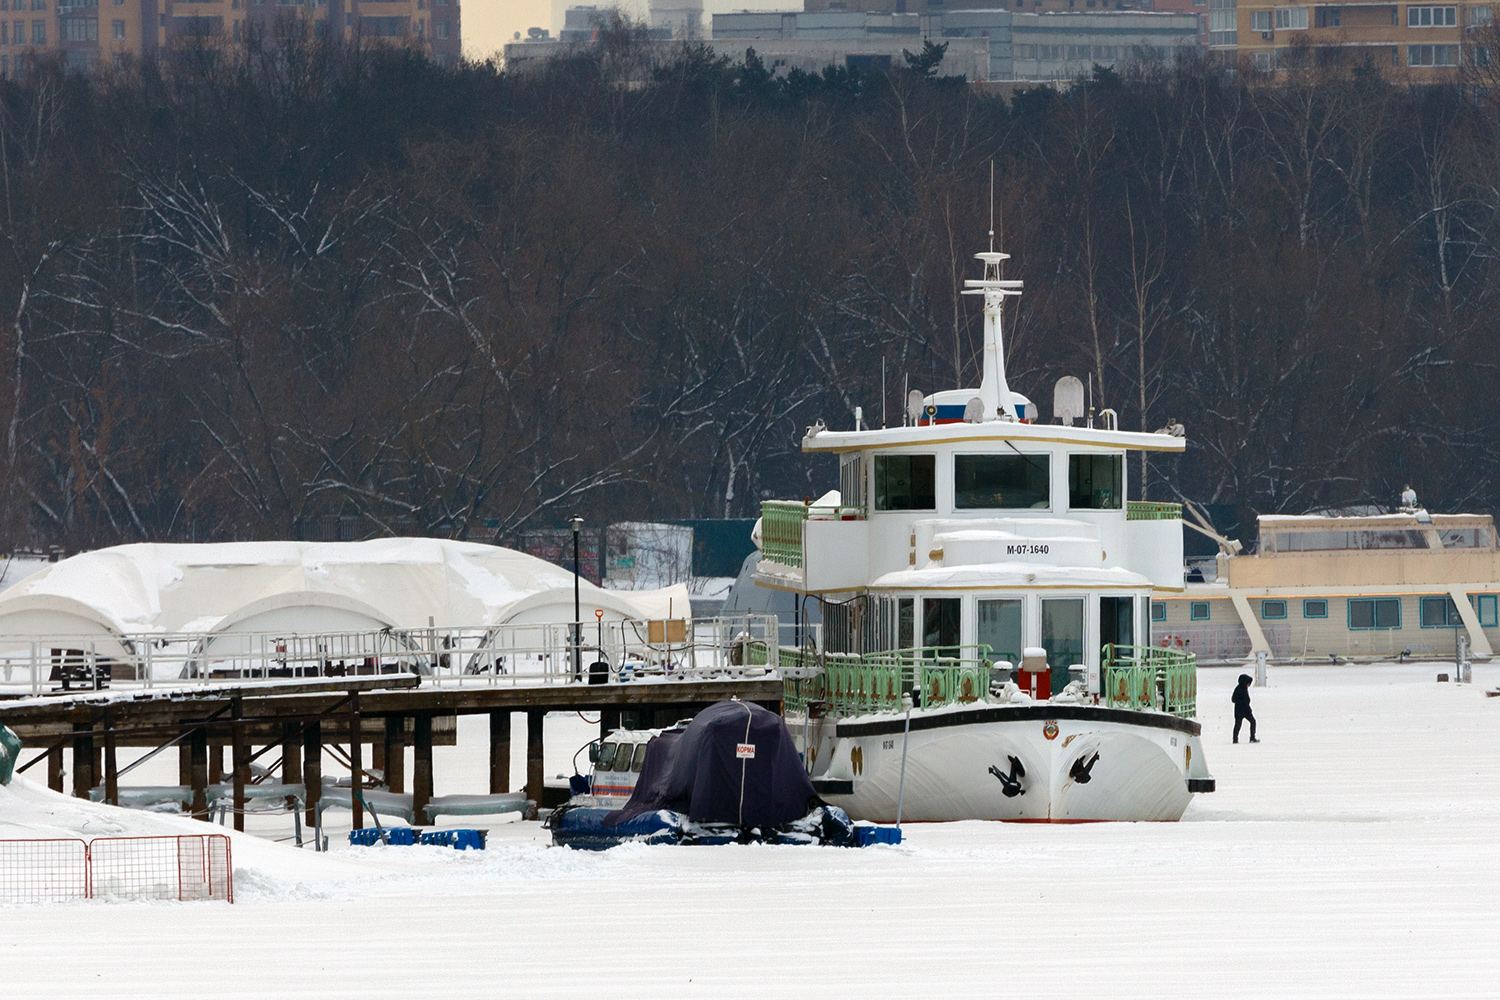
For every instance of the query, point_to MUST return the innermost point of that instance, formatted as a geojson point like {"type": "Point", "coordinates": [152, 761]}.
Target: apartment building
{"type": "Point", "coordinates": [94, 34]}
{"type": "Point", "coordinates": [1421, 42]}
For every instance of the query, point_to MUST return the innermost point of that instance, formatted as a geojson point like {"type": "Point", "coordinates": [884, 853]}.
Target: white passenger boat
{"type": "Point", "coordinates": [988, 568]}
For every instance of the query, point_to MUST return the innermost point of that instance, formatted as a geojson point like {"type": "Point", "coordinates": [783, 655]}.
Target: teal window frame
{"type": "Point", "coordinates": [1158, 611]}
{"type": "Point", "coordinates": [1265, 610]}
{"type": "Point", "coordinates": [1487, 606]}
{"type": "Point", "coordinates": [1375, 603]}
{"type": "Point", "coordinates": [1308, 602]}
{"type": "Point", "coordinates": [1451, 617]}
{"type": "Point", "coordinates": [1193, 614]}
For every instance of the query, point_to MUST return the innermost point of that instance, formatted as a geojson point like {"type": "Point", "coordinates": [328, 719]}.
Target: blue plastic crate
{"type": "Point", "coordinates": [367, 837]}
{"type": "Point", "coordinates": [864, 836]}
{"type": "Point", "coordinates": [461, 840]}
{"type": "Point", "coordinates": [401, 836]}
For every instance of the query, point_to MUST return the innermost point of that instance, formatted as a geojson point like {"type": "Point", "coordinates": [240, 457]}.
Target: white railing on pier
{"type": "Point", "coordinates": [742, 646]}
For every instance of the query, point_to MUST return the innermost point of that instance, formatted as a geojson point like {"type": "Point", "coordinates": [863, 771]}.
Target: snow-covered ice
{"type": "Point", "coordinates": [1351, 854]}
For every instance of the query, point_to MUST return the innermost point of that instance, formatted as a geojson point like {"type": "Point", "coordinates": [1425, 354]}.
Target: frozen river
{"type": "Point", "coordinates": [1353, 853]}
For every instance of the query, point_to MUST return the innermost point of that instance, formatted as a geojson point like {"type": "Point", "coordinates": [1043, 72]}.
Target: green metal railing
{"type": "Point", "coordinates": [781, 531]}
{"type": "Point", "coordinates": [1150, 510]}
{"type": "Point", "coordinates": [781, 527]}
{"type": "Point", "coordinates": [1148, 677]}
{"type": "Point", "coordinates": [851, 684]}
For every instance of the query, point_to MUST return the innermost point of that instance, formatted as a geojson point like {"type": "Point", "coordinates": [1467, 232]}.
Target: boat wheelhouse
{"type": "Point", "coordinates": [989, 567]}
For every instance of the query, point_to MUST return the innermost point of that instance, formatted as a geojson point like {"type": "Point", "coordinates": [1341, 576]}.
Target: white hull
{"type": "Point", "coordinates": [1036, 763]}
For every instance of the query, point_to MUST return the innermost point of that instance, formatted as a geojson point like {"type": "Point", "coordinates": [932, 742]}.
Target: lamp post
{"type": "Point", "coordinates": [577, 626]}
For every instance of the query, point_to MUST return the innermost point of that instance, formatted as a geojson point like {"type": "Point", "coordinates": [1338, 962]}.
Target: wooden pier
{"type": "Point", "coordinates": [303, 719]}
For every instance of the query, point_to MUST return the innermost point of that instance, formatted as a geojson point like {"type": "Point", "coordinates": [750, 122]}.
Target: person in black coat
{"type": "Point", "coordinates": [1241, 699]}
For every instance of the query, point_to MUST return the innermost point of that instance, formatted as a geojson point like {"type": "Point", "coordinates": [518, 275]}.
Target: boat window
{"type": "Point", "coordinates": [1158, 611]}
{"type": "Point", "coordinates": [940, 624]}
{"type": "Point", "coordinates": [606, 756]}
{"type": "Point", "coordinates": [905, 482]}
{"type": "Point", "coordinates": [1116, 621]}
{"type": "Point", "coordinates": [640, 757]}
{"type": "Point", "coordinates": [1198, 611]}
{"type": "Point", "coordinates": [852, 482]}
{"type": "Point", "coordinates": [1315, 608]}
{"type": "Point", "coordinates": [1062, 636]}
{"type": "Point", "coordinates": [1375, 612]}
{"type": "Point", "coordinates": [622, 759]}
{"type": "Point", "coordinates": [1096, 482]}
{"type": "Point", "coordinates": [1273, 609]}
{"type": "Point", "coordinates": [999, 627]}
{"type": "Point", "coordinates": [906, 623]}
{"type": "Point", "coordinates": [1004, 482]}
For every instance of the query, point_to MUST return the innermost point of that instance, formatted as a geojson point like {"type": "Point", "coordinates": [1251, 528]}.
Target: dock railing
{"type": "Point", "coordinates": [1146, 677]}
{"type": "Point", "coordinates": [497, 655]}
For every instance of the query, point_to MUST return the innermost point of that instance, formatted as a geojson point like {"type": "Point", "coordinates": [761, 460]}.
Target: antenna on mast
{"type": "Point", "coordinates": [992, 206]}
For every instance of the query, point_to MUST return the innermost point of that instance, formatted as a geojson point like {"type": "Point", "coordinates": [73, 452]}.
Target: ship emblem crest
{"type": "Point", "coordinates": [1050, 730]}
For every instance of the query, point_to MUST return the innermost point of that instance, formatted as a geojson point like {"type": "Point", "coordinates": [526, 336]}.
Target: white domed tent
{"type": "Point", "coordinates": [97, 599]}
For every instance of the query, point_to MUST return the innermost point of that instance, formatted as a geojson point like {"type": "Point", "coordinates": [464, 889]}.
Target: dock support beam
{"type": "Point", "coordinates": [198, 776]}
{"type": "Point", "coordinates": [312, 769]}
{"type": "Point", "coordinates": [111, 762]}
{"type": "Point", "coordinates": [239, 758]}
{"type": "Point", "coordinates": [609, 721]}
{"type": "Point", "coordinates": [395, 753]}
{"type": "Point", "coordinates": [55, 769]}
{"type": "Point", "coordinates": [357, 760]}
{"type": "Point", "coordinates": [499, 752]}
{"type": "Point", "coordinates": [83, 761]}
{"type": "Point", "coordinates": [421, 768]}
{"type": "Point", "coordinates": [535, 765]}
{"type": "Point", "coordinates": [291, 759]}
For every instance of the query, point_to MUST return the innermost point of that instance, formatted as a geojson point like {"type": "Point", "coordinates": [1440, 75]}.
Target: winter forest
{"type": "Point", "coordinates": [248, 293]}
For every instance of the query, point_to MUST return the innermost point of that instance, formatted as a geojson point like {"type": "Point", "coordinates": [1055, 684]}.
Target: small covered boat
{"type": "Point", "coordinates": [731, 775]}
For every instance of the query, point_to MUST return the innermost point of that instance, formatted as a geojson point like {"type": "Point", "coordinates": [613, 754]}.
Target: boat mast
{"type": "Point", "coordinates": [994, 391]}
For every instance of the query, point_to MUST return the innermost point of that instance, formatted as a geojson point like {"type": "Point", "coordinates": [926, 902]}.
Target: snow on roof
{"type": "Point", "coordinates": [1344, 521]}
{"type": "Point", "coordinates": [1010, 575]}
{"type": "Point", "coordinates": [400, 582]}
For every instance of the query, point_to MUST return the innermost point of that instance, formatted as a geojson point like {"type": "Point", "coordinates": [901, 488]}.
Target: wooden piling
{"type": "Point", "coordinates": [535, 765]}
{"type": "Point", "coordinates": [357, 761]}
{"type": "Point", "coordinates": [291, 760]}
{"type": "Point", "coordinates": [198, 775]}
{"type": "Point", "coordinates": [55, 769]}
{"type": "Point", "coordinates": [421, 769]}
{"type": "Point", "coordinates": [499, 752]}
{"type": "Point", "coordinates": [395, 753]}
{"type": "Point", "coordinates": [609, 721]}
{"type": "Point", "coordinates": [239, 758]}
{"type": "Point", "coordinates": [312, 768]}
{"type": "Point", "coordinates": [83, 761]}
{"type": "Point", "coordinates": [111, 762]}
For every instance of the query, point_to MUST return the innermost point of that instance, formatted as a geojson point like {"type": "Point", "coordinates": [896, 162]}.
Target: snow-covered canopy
{"type": "Point", "coordinates": [307, 587]}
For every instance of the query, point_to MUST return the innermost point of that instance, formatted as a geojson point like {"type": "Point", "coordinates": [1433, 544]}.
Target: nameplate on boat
{"type": "Point", "coordinates": [745, 751]}
{"type": "Point", "coordinates": [1025, 549]}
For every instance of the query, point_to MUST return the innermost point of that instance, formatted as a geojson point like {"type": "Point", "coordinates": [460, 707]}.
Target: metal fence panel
{"type": "Point", "coordinates": [43, 871]}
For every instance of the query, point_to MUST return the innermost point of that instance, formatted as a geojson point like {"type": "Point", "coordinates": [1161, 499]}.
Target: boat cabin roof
{"type": "Point", "coordinates": [993, 431]}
